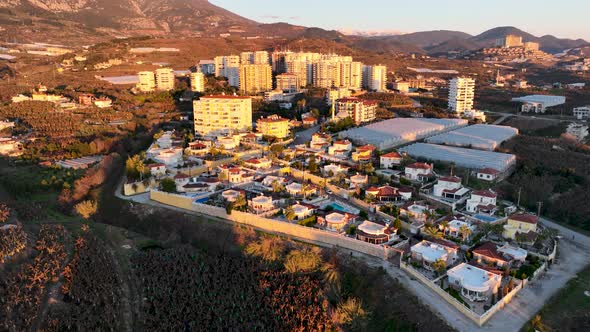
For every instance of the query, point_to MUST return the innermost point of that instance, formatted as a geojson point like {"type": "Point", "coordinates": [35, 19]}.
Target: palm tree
{"type": "Point", "coordinates": [445, 225]}
{"type": "Point", "coordinates": [465, 232]}
{"type": "Point", "coordinates": [289, 213]}
{"type": "Point", "coordinates": [432, 232]}
{"type": "Point", "coordinates": [439, 266]}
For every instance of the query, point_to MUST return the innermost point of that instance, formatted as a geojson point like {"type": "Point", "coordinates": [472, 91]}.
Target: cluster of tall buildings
{"type": "Point", "coordinates": [160, 80]}
{"type": "Point", "coordinates": [252, 72]}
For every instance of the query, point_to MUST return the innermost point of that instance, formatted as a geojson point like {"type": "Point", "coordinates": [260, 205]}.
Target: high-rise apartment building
{"type": "Point", "coordinates": [255, 58]}
{"type": "Point", "coordinates": [197, 82]}
{"type": "Point", "coordinates": [147, 81]}
{"type": "Point", "coordinates": [461, 94]}
{"type": "Point", "coordinates": [222, 114]}
{"type": "Point", "coordinates": [255, 78]}
{"type": "Point", "coordinates": [375, 78]}
{"type": "Point", "coordinates": [288, 82]}
{"type": "Point", "coordinates": [228, 66]}
{"type": "Point", "coordinates": [164, 79]}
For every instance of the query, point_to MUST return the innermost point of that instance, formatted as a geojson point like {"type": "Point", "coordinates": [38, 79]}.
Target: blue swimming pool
{"type": "Point", "coordinates": [484, 218]}
{"type": "Point", "coordinates": [337, 206]}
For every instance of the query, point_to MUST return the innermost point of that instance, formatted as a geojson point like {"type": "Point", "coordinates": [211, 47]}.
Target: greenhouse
{"type": "Point", "coordinates": [395, 132]}
{"type": "Point", "coordinates": [467, 158]}
{"type": "Point", "coordinates": [480, 136]}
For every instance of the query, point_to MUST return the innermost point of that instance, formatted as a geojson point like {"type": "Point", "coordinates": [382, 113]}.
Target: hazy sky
{"type": "Point", "coordinates": [564, 18]}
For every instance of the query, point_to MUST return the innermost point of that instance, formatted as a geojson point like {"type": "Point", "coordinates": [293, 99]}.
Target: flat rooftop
{"type": "Point", "coordinates": [546, 100]}
{"type": "Point", "coordinates": [394, 132]}
{"type": "Point", "coordinates": [430, 251]}
{"type": "Point", "coordinates": [480, 136]}
{"type": "Point", "coordinates": [467, 158]}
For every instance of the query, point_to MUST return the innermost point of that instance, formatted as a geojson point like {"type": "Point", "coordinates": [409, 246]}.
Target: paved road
{"type": "Point", "coordinates": [305, 135]}
{"type": "Point", "coordinates": [573, 256]}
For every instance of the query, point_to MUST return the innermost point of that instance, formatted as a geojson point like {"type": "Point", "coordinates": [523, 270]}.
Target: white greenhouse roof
{"type": "Point", "coordinates": [480, 136]}
{"type": "Point", "coordinates": [394, 132]}
{"type": "Point", "coordinates": [546, 100]}
{"type": "Point", "coordinates": [468, 158]}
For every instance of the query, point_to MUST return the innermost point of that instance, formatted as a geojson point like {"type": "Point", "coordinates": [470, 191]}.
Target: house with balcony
{"type": "Point", "coordinates": [450, 188]}
{"type": "Point", "coordinates": [492, 254]}
{"type": "Point", "coordinates": [375, 233]}
{"type": "Point", "coordinates": [419, 172]}
{"type": "Point", "coordinates": [340, 148]}
{"type": "Point", "coordinates": [157, 169]}
{"type": "Point", "coordinates": [334, 169]}
{"type": "Point", "coordinates": [390, 160]}
{"type": "Point", "coordinates": [258, 163]}
{"type": "Point", "coordinates": [482, 201]}
{"type": "Point", "coordinates": [474, 283]}
{"type": "Point", "coordinates": [363, 154]}
{"type": "Point", "coordinates": [522, 226]}
{"type": "Point", "coordinates": [455, 226]}
{"type": "Point", "coordinates": [320, 141]}
{"type": "Point", "coordinates": [261, 204]}
{"type": "Point", "coordinates": [303, 210]}
{"type": "Point", "coordinates": [384, 194]}
{"type": "Point", "coordinates": [428, 252]}
{"type": "Point", "coordinates": [336, 221]}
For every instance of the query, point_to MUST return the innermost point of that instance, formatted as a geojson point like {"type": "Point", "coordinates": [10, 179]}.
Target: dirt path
{"type": "Point", "coordinates": [126, 296]}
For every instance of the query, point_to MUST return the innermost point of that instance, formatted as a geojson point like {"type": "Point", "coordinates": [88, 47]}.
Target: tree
{"type": "Point", "coordinates": [4, 212]}
{"type": "Point", "coordinates": [312, 165]}
{"type": "Point", "coordinates": [432, 232]}
{"type": "Point", "coordinates": [289, 213]}
{"type": "Point", "coordinates": [363, 214]}
{"type": "Point", "coordinates": [168, 185]}
{"type": "Point", "coordinates": [439, 266]}
{"type": "Point", "coordinates": [276, 150]}
{"type": "Point", "coordinates": [352, 313]}
{"type": "Point", "coordinates": [229, 207]}
{"type": "Point", "coordinates": [368, 168]}
{"type": "Point", "coordinates": [277, 187]}
{"type": "Point", "coordinates": [240, 201]}
{"type": "Point", "coordinates": [445, 225]}
{"type": "Point", "coordinates": [465, 232]}
{"type": "Point", "coordinates": [86, 209]}
{"type": "Point", "coordinates": [397, 224]}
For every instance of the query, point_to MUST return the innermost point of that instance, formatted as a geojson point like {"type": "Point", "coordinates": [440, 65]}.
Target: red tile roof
{"type": "Point", "coordinates": [450, 179]}
{"type": "Point", "coordinates": [393, 155]}
{"type": "Point", "coordinates": [485, 193]}
{"type": "Point", "coordinates": [420, 166]}
{"type": "Point", "coordinates": [445, 243]}
{"type": "Point", "coordinates": [489, 250]}
{"type": "Point", "coordinates": [528, 218]}
{"type": "Point", "coordinates": [181, 176]}
{"type": "Point", "coordinates": [490, 171]}
{"type": "Point", "coordinates": [367, 147]}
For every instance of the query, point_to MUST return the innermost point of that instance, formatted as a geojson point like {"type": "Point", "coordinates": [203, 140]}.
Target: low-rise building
{"type": "Point", "coordinates": [390, 160]}
{"type": "Point", "coordinates": [303, 210]}
{"type": "Point", "coordinates": [428, 252]}
{"type": "Point", "coordinates": [474, 283]}
{"type": "Point", "coordinates": [421, 172]}
{"type": "Point", "coordinates": [363, 154]}
{"type": "Point", "coordinates": [157, 169]}
{"type": "Point", "coordinates": [336, 221]}
{"type": "Point", "coordinates": [320, 141]}
{"type": "Point", "coordinates": [258, 163]}
{"type": "Point", "coordinates": [524, 225]}
{"type": "Point", "coordinates": [450, 187]}
{"type": "Point", "coordinates": [375, 233]}
{"type": "Point", "coordinates": [488, 174]}
{"type": "Point", "coordinates": [103, 102]}
{"type": "Point", "coordinates": [274, 126]}
{"type": "Point", "coordinates": [483, 201]}
{"type": "Point", "coordinates": [359, 181]}
{"type": "Point", "coordinates": [261, 204]}
{"type": "Point", "coordinates": [582, 112]}
{"type": "Point", "coordinates": [384, 194]}
{"type": "Point", "coordinates": [333, 169]}
{"type": "Point", "coordinates": [499, 256]}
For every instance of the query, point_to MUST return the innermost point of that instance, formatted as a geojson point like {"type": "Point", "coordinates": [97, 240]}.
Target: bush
{"type": "Point", "coordinates": [308, 222]}
{"type": "Point", "coordinates": [302, 261]}
{"type": "Point", "coordinates": [168, 185]}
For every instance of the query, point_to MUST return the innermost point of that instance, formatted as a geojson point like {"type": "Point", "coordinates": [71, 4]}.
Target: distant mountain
{"type": "Point", "coordinates": [547, 43]}
{"type": "Point", "coordinates": [89, 21]}
{"type": "Point", "coordinates": [429, 38]}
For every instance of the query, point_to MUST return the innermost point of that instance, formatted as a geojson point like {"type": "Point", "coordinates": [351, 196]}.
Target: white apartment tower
{"type": "Point", "coordinates": [164, 79]}
{"type": "Point", "coordinates": [214, 115]}
{"type": "Point", "coordinates": [375, 78]}
{"type": "Point", "coordinates": [147, 81]}
{"type": "Point", "coordinates": [197, 82]}
{"type": "Point", "coordinates": [255, 58]}
{"type": "Point", "coordinates": [228, 66]}
{"type": "Point", "coordinates": [461, 94]}
{"type": "Point", "coordinates": [255, 78]}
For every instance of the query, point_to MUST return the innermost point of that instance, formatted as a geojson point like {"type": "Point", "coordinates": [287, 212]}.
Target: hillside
{"type": "Point", "coordinates": [548, 43]}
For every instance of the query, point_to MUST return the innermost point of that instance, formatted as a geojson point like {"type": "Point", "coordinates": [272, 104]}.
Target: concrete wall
{"type": "Point", "coordinates": [478, 319]}
{"type": "Point", "coordinates": [138, 187]}
{"type": "Point", "coordinates": [306, 234]}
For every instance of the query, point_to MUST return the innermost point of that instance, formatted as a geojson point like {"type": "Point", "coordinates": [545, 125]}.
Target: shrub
{"type": "Point", "coordinates": [86, 209]}
{"type": "Point", "coordinates": [302, 261]}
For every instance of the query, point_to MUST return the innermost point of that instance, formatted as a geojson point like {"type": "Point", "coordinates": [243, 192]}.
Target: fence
{"type": "Point", "coordinates": [549, 257]}
{"type": "Point", "coordinates": [306, 234]}
{"type": "Point", "coordinates": [476, 318]}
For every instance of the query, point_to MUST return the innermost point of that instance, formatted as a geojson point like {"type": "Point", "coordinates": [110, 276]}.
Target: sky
{"type": "Point", "coordinates": [564, 18]}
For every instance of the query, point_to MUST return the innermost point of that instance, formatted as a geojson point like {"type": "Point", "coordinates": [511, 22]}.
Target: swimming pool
{"type": "Point", "coordinates": [337, 206]}
{"type": "Point", "coordinates": [484, 218]}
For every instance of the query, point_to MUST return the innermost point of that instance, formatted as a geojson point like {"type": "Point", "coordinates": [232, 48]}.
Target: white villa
{"type": "Point", "coordinates": [359, 181]}
{"type": "Point", "coordinates": [428, 252]}
{"type": "Point", "coordinates": [390, 160]}
{"type": "Point", "coordinates": [420, 172]}
{"type": "Point", "coordinates": [454, 228]}
{"type": "Point", "coordinates": [474, 283]}
{"type": "Point", "coordinates": [482, 201]}
{"type": "Point", "coordinates": [340, 148]}
{"type": "Point", "coordinates": [303, 210]}
{"type": "Point", "coordinates": [320, 141]}
{"type": "Point", "coordinates": [450, 187]}
{"type": "Point", "coordinates": [336, 221]}
{"type": "Point", "coordinates": [261, 204]}
{"type": "Point", "coordinates": [334, 168]}
{"type": "Point", "coordinates": [375, 233]}
{"type": "Point", "coordinates": [258, 163]}
{"type": "Point", "coordinates": [488, 174]}
{"type": "Point", "coordinates": [157, 169]}
{"type": "Point", "coordinates": [231, 195]}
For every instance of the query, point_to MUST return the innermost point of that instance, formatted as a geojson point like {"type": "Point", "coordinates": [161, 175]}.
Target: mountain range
{"type": "Point", "coordinates": [102, 19]}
